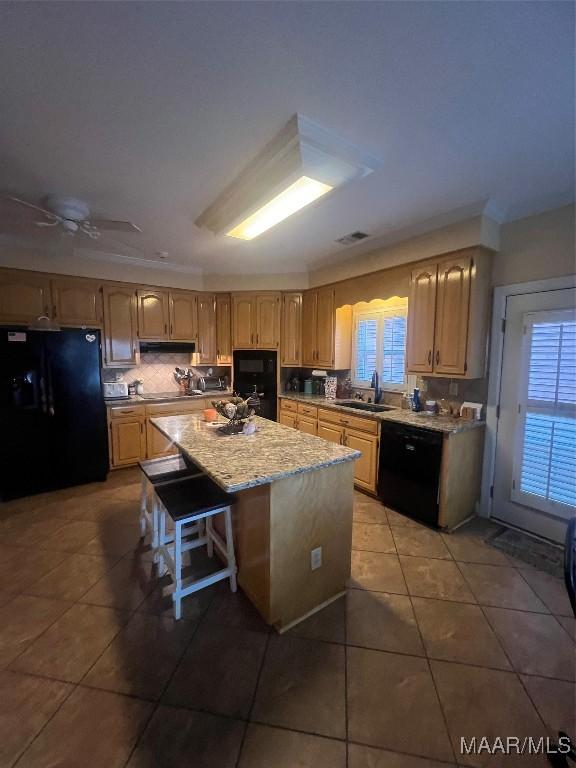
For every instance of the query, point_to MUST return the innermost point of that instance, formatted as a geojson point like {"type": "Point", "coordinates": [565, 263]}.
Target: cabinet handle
{"type": "Point", "coordinates": [465, 367]}
{"type": "Point", "coordinates": [251, 338]}
{"type": "Point", "coordinates": [171, 329]}
{"type": "Point", "coordinates": [54, 310]}
{"type": "Point", "coordinates": [257, 337]}
{"type": "Point", "coordinates": [141, 427]}
{"type": "Point", "coordinates": [165, 327]}
{"type": "Point", "coordinates": [429, 356]}
{"type": "Point", "coordinates": [437, 356]}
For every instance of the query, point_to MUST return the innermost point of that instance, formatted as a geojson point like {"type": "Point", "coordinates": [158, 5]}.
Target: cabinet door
{"type": "Point", "coordinates": [288, 419]}
{"type": "Point", "coordinates": [309, 426]}
{"type": "Point", "coordinates": [23, 297]}
{"type": "Point", "coordinates": [206, 329]}
{"type": "Point", "coordinates": [223, 329]}
{"type": "Point", "coordinates": [452, 310]}
{"type": "Point", "coordinates": [152, 315]}
{"type": "Point", "coordinates": [330, 432]}
{"type": "Point", "coordinates": [365, 466]}
{"type": "Point", "coordinates": [128, 441]}
{"type": "Point", "coordinates": [157, 444]}
{"type": "Point", "coordinates": [120, 335]}
{"type": "Point", "coordinates": [325, 328]}
{"type": "Point", "coordinates": [421, 316]}
{"type": "Point", "coordinates": [309, 327]}
{"type": "Point", "coordinates": [243, 321]}
{"type": "Point", "coordinates": [268, 321]}
{"type": "Point", "coordinates": [76, 302]}
{"type": "Point", "coordinates": [183, 316]}
{"type": "Point", "coordinates": [291, 335]}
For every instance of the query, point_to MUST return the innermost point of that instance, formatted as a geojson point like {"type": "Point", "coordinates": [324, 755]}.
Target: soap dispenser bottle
{"type": "Point", "coordinates": [416, 404]}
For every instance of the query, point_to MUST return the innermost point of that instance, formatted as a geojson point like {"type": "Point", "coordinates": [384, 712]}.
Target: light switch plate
{"type": "Point", "coordinates": [315, 558]}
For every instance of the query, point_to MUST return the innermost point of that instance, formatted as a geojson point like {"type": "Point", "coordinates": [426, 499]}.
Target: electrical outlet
{"type": "Point", "coordinates": [453, 389]}
{"type": "Point", "coordinates": [315, 558]}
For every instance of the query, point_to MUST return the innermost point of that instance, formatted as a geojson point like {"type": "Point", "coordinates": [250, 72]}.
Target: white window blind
{"type": "Point", "coordinates": [365, 357]}
{"type": "Point", "coordinates": [393, 350]}
{"type": "Point", "coordinates": [380, 345]}
{"type": "Point", "coordinates": [545, 472]}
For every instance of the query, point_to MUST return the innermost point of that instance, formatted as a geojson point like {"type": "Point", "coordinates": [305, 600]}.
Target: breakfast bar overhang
{"type": "Point", "coordinates": [294, 495]}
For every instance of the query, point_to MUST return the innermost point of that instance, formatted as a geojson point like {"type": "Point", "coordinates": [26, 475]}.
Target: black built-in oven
{"type": "Point", "coordinates": [255, 371]}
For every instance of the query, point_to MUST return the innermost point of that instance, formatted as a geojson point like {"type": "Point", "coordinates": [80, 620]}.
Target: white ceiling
{"type": "Point", "coordinates": [147, 110]}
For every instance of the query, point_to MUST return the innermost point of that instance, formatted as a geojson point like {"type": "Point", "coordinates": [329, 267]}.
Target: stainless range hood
{"type": "Point", "coordinates": [167, 347]}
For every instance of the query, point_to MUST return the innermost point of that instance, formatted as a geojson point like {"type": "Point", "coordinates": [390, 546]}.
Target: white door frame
{"type": "Point", "coordinates": [501, 294]}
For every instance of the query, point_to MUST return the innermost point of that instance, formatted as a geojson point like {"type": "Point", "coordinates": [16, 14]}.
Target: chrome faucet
{"type": "Point", "coordinates": [375, 384]}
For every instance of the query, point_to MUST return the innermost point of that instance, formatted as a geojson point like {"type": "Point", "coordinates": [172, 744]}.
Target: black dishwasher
{"type": "Point", "coordinates": [409, 470]}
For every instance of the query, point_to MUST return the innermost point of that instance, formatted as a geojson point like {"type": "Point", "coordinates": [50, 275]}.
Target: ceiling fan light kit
{"type": "Point", "coordinates": [299, 165]}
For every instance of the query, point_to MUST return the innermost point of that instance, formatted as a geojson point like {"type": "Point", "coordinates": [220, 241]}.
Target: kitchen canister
{"type": "Point", "coordinates": [308, 386]}
{"type": "Point", "coordinates": [330, 385]}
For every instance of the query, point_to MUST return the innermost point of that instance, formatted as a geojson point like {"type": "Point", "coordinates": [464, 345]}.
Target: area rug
{"type": "Point", "coordinates": [540, 554]}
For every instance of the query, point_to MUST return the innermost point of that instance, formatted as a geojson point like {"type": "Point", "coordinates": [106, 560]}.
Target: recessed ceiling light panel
{"type": "Point", "coordinates": [301, 164]}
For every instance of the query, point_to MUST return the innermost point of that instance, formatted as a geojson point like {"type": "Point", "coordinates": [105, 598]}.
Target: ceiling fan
{"type": "Point", "coordinates": [72, 216]}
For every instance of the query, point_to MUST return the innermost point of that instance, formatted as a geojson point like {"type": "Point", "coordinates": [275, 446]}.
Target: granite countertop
{"type": "Point", "coordinates": [210, 395]}
{"type": "Point", "coordinates": [237, 462]}
{"type": "Point", "coordinates": [449, 425]}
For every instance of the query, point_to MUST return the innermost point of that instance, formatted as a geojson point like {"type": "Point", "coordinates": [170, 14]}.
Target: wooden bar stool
{"type": "Point", "coordinates": [154, 471]}
{"type": "Point", "coordinates": [190, 503]}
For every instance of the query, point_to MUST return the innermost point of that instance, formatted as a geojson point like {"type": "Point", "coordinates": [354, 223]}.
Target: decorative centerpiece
{"type": "Point", "coordinates": [238, 412]}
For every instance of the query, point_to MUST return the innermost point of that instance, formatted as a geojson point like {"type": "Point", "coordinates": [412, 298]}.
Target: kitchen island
{"type": "Point", "coordinates": [294, 495]}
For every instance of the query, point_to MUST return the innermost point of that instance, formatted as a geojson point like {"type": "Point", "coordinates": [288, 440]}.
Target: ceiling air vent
{"type": "Point", "coordinates": [351, 238]}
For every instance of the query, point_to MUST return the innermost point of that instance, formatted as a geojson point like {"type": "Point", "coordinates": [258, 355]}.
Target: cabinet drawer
{"type": "Point", "coordinates": [353, 422]}
{"type": "Point", "coordinates": [308, 410]}
{"type": "Point", "coordinates": [175, 409]}
{"type": "Point", "coordinates": [289, 405]}
{"type": "Point", "coordinates": [123, 412]}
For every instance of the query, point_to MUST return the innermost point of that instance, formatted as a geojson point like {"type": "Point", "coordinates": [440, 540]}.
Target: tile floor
{"type": "Point", "coordinates": [440, 636]}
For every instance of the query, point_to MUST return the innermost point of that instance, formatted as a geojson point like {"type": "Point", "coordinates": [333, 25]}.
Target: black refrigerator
{"type": "Point", "coordinates": [53, 431]}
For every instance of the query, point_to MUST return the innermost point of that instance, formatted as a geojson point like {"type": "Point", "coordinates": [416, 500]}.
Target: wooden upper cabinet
{"type": "Point", "coordinates": [76, 302]}
{"type": "Point", "coordinates": [206, 329]}
{"type": "Point", "coordinates": [183, 316]}
{"type": "Point", "coordinates": [421, 319]}
{"type": "Point", "coordinates": [291, 332]}
{"type": "Point", "coordinates": [243, 321]}
{"type": "Point", "coordinates": [256, 320]}
{"type": "Point", "coordinates": [452, 312]}
{"type": "Point", "coordinates": [449, 315]}
{"type": "Point", "coordinates": [152, 315]}
{"type": "Point", "coordinates": [326, 317]}
{"type": "Point", "coordinates": [120, 327]}
{"type": "Point", "coordinates": [223, 329]}
{"type": "Point", "coordinates": [24, 296]}
{"type": "Point", "coordinates": [267, 321]}
{"type": "Point", "coordinates": [309, 327]}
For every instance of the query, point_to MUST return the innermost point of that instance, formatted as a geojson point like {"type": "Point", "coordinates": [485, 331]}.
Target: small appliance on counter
{"type": "Point", "coordinates": [115, 390]}
{"type": "Point", "coordinates": [210, 383]}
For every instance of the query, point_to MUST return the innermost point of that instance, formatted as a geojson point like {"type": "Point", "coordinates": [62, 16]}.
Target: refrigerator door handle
{"type": "Point", "coordinates": [50, 408]}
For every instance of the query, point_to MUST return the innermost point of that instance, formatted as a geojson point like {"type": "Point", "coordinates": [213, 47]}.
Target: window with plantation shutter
{"type": "Point", "coordinates": [379, 345]}
{"type": "Point", "coordinates": [545, 466]}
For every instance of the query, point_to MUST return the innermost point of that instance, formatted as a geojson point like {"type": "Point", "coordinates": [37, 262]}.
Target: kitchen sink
{"type": "Point", "coordinates": [360, 405]}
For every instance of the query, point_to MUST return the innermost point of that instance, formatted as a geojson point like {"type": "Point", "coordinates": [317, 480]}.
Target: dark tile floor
{"type": "Point", "coordinates": [439, 636]}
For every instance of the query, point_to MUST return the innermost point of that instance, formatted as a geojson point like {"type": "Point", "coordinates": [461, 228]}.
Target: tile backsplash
{"type": "Point", "coordinates": [156, 371]}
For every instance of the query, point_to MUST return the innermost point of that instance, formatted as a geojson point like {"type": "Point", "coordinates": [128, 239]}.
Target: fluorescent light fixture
{"type": "Point", "coordinates": [301, 164]}
{"type": "Point", "coordinates": [296, 196]}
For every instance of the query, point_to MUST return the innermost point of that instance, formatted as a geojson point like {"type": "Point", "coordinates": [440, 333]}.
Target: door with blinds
{"type": "Point", "coordinates": [535, 475]}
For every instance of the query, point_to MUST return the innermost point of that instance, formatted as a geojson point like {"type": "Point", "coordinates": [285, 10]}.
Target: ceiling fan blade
{"type": "Point", "coordinates": [113, 242]}
{"type": "Point", "coordinates": [46, 213]}
{"type": "Point", "coordinates": [115, 226]}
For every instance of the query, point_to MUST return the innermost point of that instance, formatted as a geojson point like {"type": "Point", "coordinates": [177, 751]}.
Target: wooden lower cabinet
{"type": "Point", "coordinates": [156, 444]}
{"type": "Point", "coordinates": [330, 432]}
{"type": "Point", "coordinates": [307, 425]}
{"type": "Point", "coordinates": [365, 468]}
{"type": "Point", "coordinates": [288, 418]}
{"type": "Point", "coordinates": [128, 441]}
